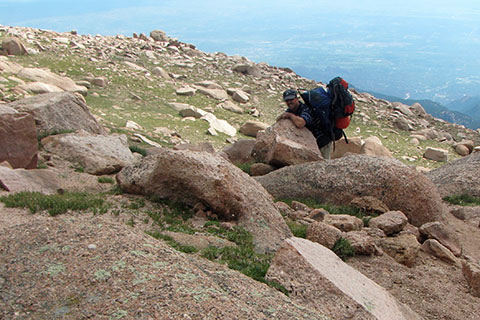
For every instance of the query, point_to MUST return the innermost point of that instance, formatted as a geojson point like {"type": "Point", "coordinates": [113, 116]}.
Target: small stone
{"type": "Point", "coordinates": [92, 246]}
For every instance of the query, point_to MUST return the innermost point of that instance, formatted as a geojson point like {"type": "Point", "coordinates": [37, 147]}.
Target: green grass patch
{"type": "Point", "coordinates": [105, 180]}
{"type": "Point", "coordinates": [332, 209]}
{"type": "Point", "coordinates": [245, 167]}
{"type": "Point", "coordinates": [45, 134]}
{"type": "Point", "coordinates": [343, 249]}
{"type": "Point", "coordinates": [243, 257]}
{"type": "Point", "coordinates": [463, 200]}
{"type": "Point", "coordinates": [174, 244]}
{"type": "Point", "coordinates": [298, 230]}
{"type": "Point", "coordinates": [57, 203]}
{"type": "Point", "coordinates": [136, 204]}
{"type": "Point", "coordinates": [138, 149]}
{"type": "Point", "coordinates": [116, 190]}
{"type": "Point", "coordinates": [171, 216]}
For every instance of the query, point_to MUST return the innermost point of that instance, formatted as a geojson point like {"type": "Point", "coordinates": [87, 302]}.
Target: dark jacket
{"type": "Point", "coordinates": [314, 123]}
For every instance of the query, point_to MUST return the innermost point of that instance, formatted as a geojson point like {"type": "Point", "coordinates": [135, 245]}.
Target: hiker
{"type": "Point", "coordinates": [302, 116]}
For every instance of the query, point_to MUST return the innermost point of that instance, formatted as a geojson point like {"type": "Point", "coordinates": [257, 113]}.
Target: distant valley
{"type": "Point", "coordinates": [464, 111]}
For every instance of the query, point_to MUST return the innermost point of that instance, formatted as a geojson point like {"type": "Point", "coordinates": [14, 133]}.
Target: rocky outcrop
{"type": "Point", "coordinates": [57, 112]}
{"type": "Point", "coordinates": [18, 138]}
{"type": "Point", "coordinates": [284, 144]}
{"type": "Point", "coordinates": [192, 177]}
{"type": "Point", "coordinates": [390, 222]}
{"type": "Point", "coordinates": [471, 271]}
{"type": "Point", "coordinates": [19, 180]}
{"type": "Point", "coordinates": [339, 181]}
{"type": "Point", "coordinates": [458, 177]}
{"type": "Point", "coordinates": [97, 154]}
{"type": "Point", "coordinates": [316, 277]}
{"type": "Point", "coordinates": [107, 264]}
{"type": "Point", "coordinates": [403, 248]}
{"type": "Point", "coordinates": [438, 250]}
{"type": "Point", "coordinates": [323, 233]}
{"type": "Point", "coordinates": [444, 234]}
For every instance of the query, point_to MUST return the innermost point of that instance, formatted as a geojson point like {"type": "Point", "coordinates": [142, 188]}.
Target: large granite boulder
{"type": "Point", "coordinates": [192, 177]}
{"type": "Point", "coordinates": [59, 112]}
{"type": "Point", "coordinates": [97, 154]}
{"type": "Point", "coordinates": [18, 138]}
{"type": "Point", "coordinates": [317, 278]}
{"type": "Point", "coordinates": [283, 144]}
{"type": "Point", "coordinates": [458, 177]}
{"type": "Point", "coordinates": [339, 181]}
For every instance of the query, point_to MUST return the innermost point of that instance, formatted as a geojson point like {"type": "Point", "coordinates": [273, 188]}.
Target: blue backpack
{"type": "Point", "coordinates": [332, 107]}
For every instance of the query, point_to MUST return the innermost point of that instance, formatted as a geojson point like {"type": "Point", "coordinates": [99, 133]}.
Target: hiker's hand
{"type": "Point", "coordinates": [285, 115]}
{"type": "Point", "coordinates": [299, 122]}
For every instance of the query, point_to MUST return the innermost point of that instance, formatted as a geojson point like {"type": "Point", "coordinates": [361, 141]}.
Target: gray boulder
{"type": "Point", "coordinates": [159, 35]}
{"type": "Point", "coordinates": [248, 69]}
{"type": "Point", "coordinates": [19, 180]}
{"type": "Point", "coordinates": [59, 112]}
{"type": "Point", "coordinates": [251, 128]}
{"type": "Point", "coordinates": [48, 77]}
{"type": "Point", "coordinates": [458, 177]}
{"type": "Point", "coordinates": [339, 181]}
{"type": "Point", "coordinates": [97, 154]}
{"type": "Point", "coordinates": [390, 222]}
{"type": "Point", "coordinates": [13, 46]}
{"type": "Point", "coordinates": [192, 177]}
{"type": "Point", "coordinates": [283, 144]}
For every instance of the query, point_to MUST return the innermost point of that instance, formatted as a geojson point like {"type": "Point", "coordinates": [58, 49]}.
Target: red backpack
{"type": "Point", "coordinates": [342, 106]}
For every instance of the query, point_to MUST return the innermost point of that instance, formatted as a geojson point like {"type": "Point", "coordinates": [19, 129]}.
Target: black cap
{"type": "Point", "coordinates": [289, 94]}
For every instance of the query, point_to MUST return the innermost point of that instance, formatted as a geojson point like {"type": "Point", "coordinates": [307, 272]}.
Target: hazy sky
{"type": "Point", "coordinates": [376, 34]}
{"type": "Point", "coordinates": [114, 17]}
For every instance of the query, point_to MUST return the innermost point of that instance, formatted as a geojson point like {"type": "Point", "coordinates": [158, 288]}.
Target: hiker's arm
{"type": "Point", "coordinates": [299, 122]}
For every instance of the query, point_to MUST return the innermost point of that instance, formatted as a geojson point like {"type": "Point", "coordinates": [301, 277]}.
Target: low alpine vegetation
{"type": "Point", "coordinates": [138, 149]}
{"type": "Point", "coordinates": [343, 249]}
{"type": "Point", "coordinates": [105, 180]}
{"type": "Point", "coordinates": [56, 204]}
{"type": "Point", "coordinates": [242, 257]}
{"type": "Point", "coordinates": [298, 230]}
{"type": "Point", "coordinates": [332, 209]}
{"type": "Point", "coordinates": [463, 200]}
{"type": "Point", "coordinates": [172, 243]}
{"type": "Point", "coordinates": [245, 167]}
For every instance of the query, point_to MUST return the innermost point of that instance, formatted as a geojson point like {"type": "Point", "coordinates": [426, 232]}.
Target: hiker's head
{"type": "Point", "coordinates": [291, 99]}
